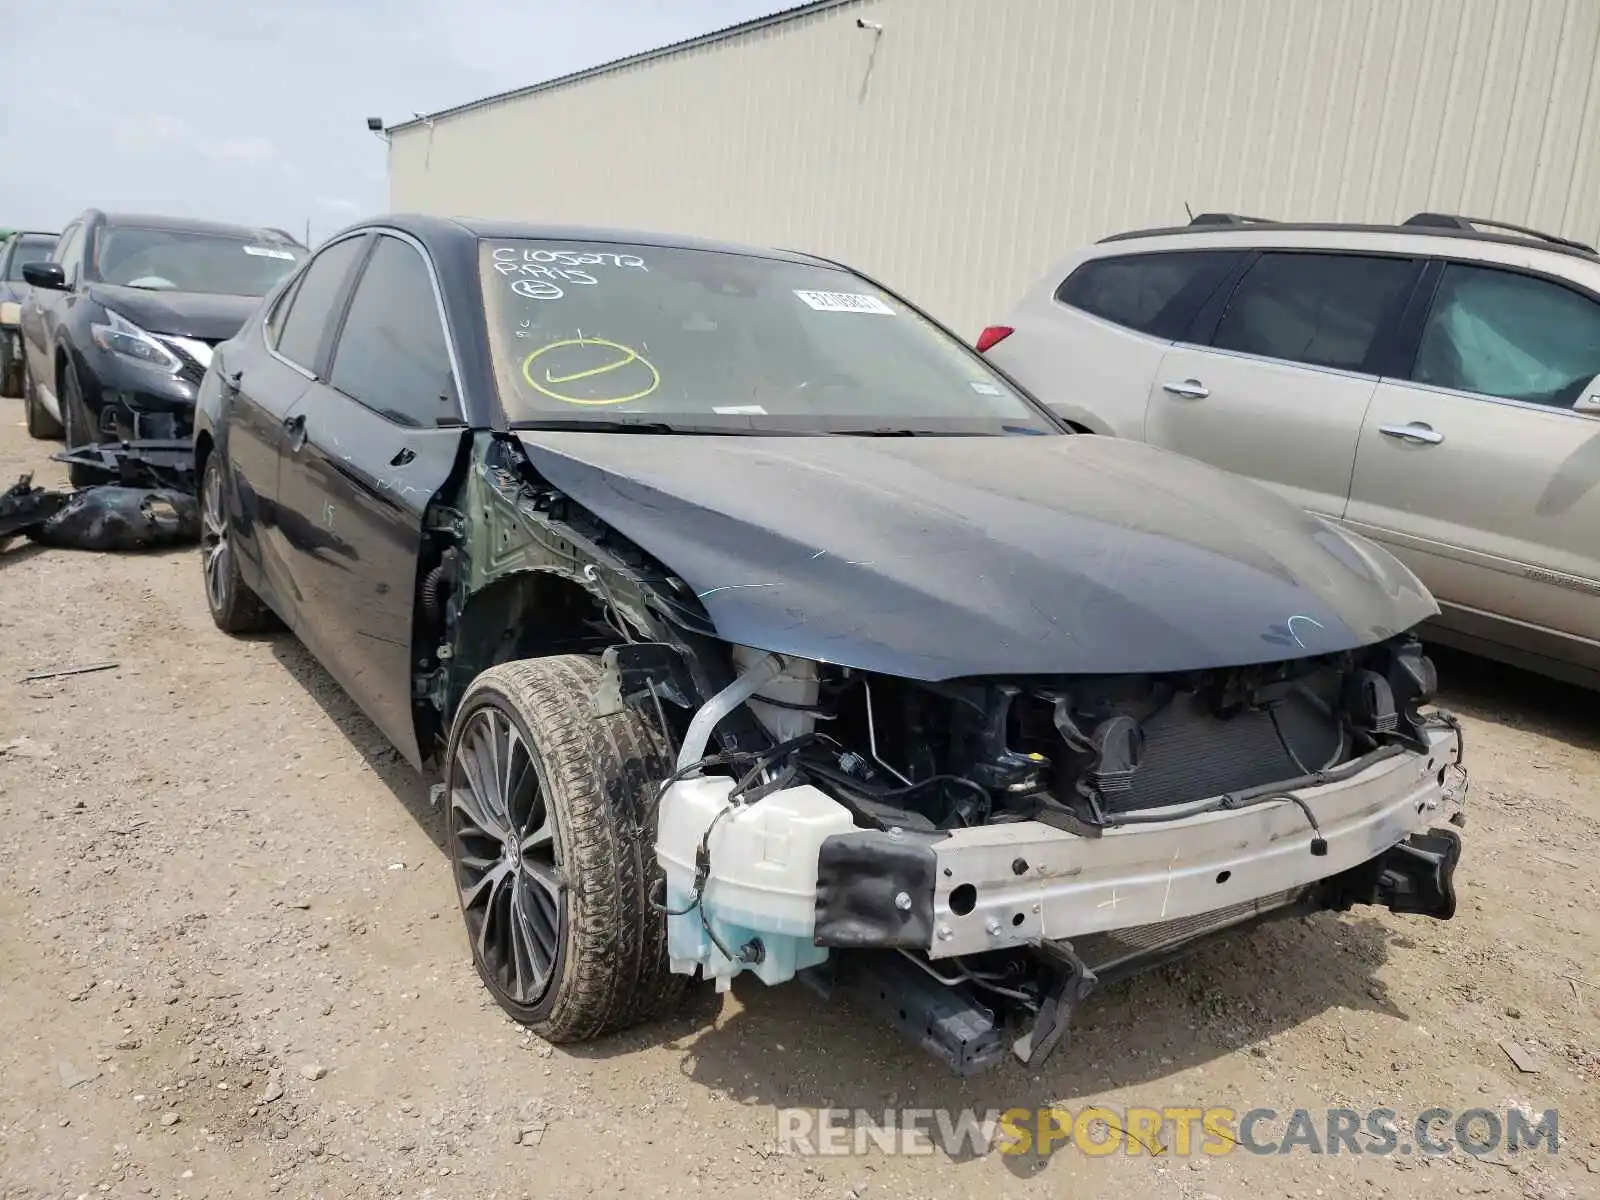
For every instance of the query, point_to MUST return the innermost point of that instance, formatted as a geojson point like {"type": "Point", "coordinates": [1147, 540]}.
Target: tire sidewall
{"type": "Point", "coordinates": [487, 694]}
{"type": "Point", "coordinates": [30, 395]}
{"type": "Point", "coordinates": [213, 476]}
{"type": "Point", "coordinates": [70, 400]}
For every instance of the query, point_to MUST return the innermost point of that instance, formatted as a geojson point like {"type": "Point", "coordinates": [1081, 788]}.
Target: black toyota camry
{"type": "Point", "coordinates": [755, 623]}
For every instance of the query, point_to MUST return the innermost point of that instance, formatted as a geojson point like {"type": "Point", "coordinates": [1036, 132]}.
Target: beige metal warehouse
{"type": "Point", "coordinates": [953, 148]}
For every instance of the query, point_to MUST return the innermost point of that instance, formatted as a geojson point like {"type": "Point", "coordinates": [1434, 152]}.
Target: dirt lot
{"type": "Point", "coordinates": [231, 965]}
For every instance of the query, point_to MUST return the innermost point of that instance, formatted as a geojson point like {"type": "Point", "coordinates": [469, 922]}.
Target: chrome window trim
{"type": "Point", "coordinates": [1341, 372]}
{"type": "Point", "coordinates": [1485, 398]}
{"type": "Point", "coordinates": [438, 308]}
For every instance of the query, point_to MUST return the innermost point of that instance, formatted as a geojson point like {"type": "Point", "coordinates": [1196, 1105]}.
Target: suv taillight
{"type": "Point", "coordinates": [992, 336]}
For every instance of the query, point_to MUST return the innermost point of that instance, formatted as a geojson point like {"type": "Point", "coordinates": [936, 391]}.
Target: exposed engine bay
{"type": "Point", "coordinates": [973, 828]}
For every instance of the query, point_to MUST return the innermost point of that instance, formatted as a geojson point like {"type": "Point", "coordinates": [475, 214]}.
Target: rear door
{"type": "Point", "coordinates": [366, 452]}
{"type": "Point", "coordinates": [1475, 468]}
{"type": "Point", "coordinates": [268, 374]}
{"type": "Point", "coordinates": [1275, 379]}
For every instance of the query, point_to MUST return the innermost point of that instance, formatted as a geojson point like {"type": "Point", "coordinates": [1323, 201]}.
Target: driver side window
{"type": "Point", "coordinates": [392, 355]}
{"type": "Point", "coordinates": [1498, 333]}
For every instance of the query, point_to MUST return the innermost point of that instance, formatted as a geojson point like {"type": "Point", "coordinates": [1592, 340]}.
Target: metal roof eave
{"type": "Point", "coordinates": [717, 35]}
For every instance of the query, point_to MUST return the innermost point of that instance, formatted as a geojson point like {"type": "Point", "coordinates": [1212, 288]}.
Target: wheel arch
{"type": "Point", "coordinates": [524, 614]}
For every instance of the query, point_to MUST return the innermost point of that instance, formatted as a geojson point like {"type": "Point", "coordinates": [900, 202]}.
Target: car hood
{"type": "Point", "coordinates": [940, 557]}
{"type": "Point", "coordinates": [181, 314]}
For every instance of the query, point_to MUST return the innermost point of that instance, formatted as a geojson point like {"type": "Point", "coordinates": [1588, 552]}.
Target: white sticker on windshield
{"type": "Point", "coordinates": [844, 302]}
{"type": "Point", "coordinates": [740, 410]}
{"type": "Point", "coordinates": [986, 389]}
{"type": "Point", "coordinates": [268, 252]}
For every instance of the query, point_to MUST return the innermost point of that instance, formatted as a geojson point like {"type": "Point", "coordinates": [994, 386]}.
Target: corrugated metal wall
{"type": "Point", "coordinates": [958, 153]}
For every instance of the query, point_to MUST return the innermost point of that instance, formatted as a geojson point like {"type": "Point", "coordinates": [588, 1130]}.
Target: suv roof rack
{"type": "Point", "coordinates": [1454, 221]}
{"type": "Point", "coordinates": [1221, 218]}
{"type": "Point", "coordinates": [1434, 224]}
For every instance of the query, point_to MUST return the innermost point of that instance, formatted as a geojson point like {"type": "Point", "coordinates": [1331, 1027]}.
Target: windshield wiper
{"type": "Point", "coordinates": [581, 425]}
{"type": "Point", "coordinates": [878, 433]}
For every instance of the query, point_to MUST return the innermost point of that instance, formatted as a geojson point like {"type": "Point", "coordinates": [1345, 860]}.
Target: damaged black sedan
{"type": "Point", "coordinates": [755, 624]}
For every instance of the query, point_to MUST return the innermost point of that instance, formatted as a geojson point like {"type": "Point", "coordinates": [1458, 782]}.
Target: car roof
{"type": "Point", "coordinates": [435, 231]}
{"type": "Point", "coordinates": [30, 233]}
{"type": "Point", "coordinates": [193, 225]}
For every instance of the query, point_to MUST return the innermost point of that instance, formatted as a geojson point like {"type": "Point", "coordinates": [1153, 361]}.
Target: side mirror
{"type": "Point", "coordinates": [1588, 400]}
{"type": "Point", "coordinates": [45, 275]}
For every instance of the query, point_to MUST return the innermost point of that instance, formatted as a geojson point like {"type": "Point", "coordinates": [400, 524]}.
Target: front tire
{"type": "Point", "coordinates": [551, 822]}
{"type": "Point", "coordinates": [234, 607]}
{"type": "Point", "coordinates": [78, 427]}
{"type": "Point", "coordinates": [41, 425]}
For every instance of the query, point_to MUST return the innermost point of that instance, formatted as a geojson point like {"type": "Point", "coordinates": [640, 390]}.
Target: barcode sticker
{"type": "Point", "coordinates": [269, 252]}
{"type": "Point", "coordinates": [844, 302]}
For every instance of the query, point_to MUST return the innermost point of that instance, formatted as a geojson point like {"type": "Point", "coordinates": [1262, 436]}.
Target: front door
{"type": "Point", "coordinates": [1478, 471]}
{"type": "Point", "coordinates": [366, 453]}
{"type": "Point", "coordinates": [1281, 382]}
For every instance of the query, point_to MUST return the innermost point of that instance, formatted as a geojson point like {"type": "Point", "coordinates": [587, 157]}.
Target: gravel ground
{"type": "Point", "coordinates": [231, 965]}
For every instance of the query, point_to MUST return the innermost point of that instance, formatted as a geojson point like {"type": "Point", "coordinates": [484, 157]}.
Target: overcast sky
{"type": "Point", "coordinates": [254, 110]}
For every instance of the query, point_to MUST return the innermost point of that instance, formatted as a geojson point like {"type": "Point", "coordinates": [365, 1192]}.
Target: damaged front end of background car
{"type": "Point", "coordinates": [969, 853]}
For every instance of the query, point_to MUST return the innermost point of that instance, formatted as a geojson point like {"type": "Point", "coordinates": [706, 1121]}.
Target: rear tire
{"type": "Point", "coordinates": [41, 425]}
{"type": "Point", "coordinates": [234, 607]}
{"type": "Point", "coordinates": [551, 822]}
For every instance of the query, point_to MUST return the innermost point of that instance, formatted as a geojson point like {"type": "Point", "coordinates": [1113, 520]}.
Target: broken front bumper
{"type": "Point", "coordinates": [146, 463]}
{"type": "Point", "coordinates": [1026, 883]}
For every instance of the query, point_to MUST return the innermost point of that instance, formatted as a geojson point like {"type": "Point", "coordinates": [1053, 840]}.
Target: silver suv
{"type": "Point", "coordinates": [1430, 384]}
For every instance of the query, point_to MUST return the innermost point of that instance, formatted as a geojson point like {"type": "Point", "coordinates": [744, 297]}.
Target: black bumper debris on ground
{"type": "Point", "coordinates": [146, 501]}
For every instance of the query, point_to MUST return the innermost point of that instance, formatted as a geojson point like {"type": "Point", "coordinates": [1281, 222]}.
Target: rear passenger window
{"type": "Point", "coordinates": [1321, 309]}
{"type": "Point", "coordinates": [1139, 291]}
{"type": "Point", "coordinates": [311, 309]}
{"type": "Point", "coordinates": [1508, 335]}
{"type": "Point", "coordinates": [392, 356]}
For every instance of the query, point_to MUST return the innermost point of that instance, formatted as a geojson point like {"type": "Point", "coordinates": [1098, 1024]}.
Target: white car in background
{"type": "Point", "coordinates": [1432, 385]}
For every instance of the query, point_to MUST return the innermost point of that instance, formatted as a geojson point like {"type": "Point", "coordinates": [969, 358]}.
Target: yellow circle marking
{"type": "Point", "coordinates": [627, 356]}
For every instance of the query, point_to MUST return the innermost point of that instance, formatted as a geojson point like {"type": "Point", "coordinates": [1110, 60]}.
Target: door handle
{"type": "Point", "coordinates": [1189, 389]}
{"type": "Point", "coordinates": [295, 427]}
{"type": "Point", "coordinates": [232, 379]}
{"type": "Point", "coordinates": [403, 456]}
{"type": "Point", "coordinates": [1419, 432]}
